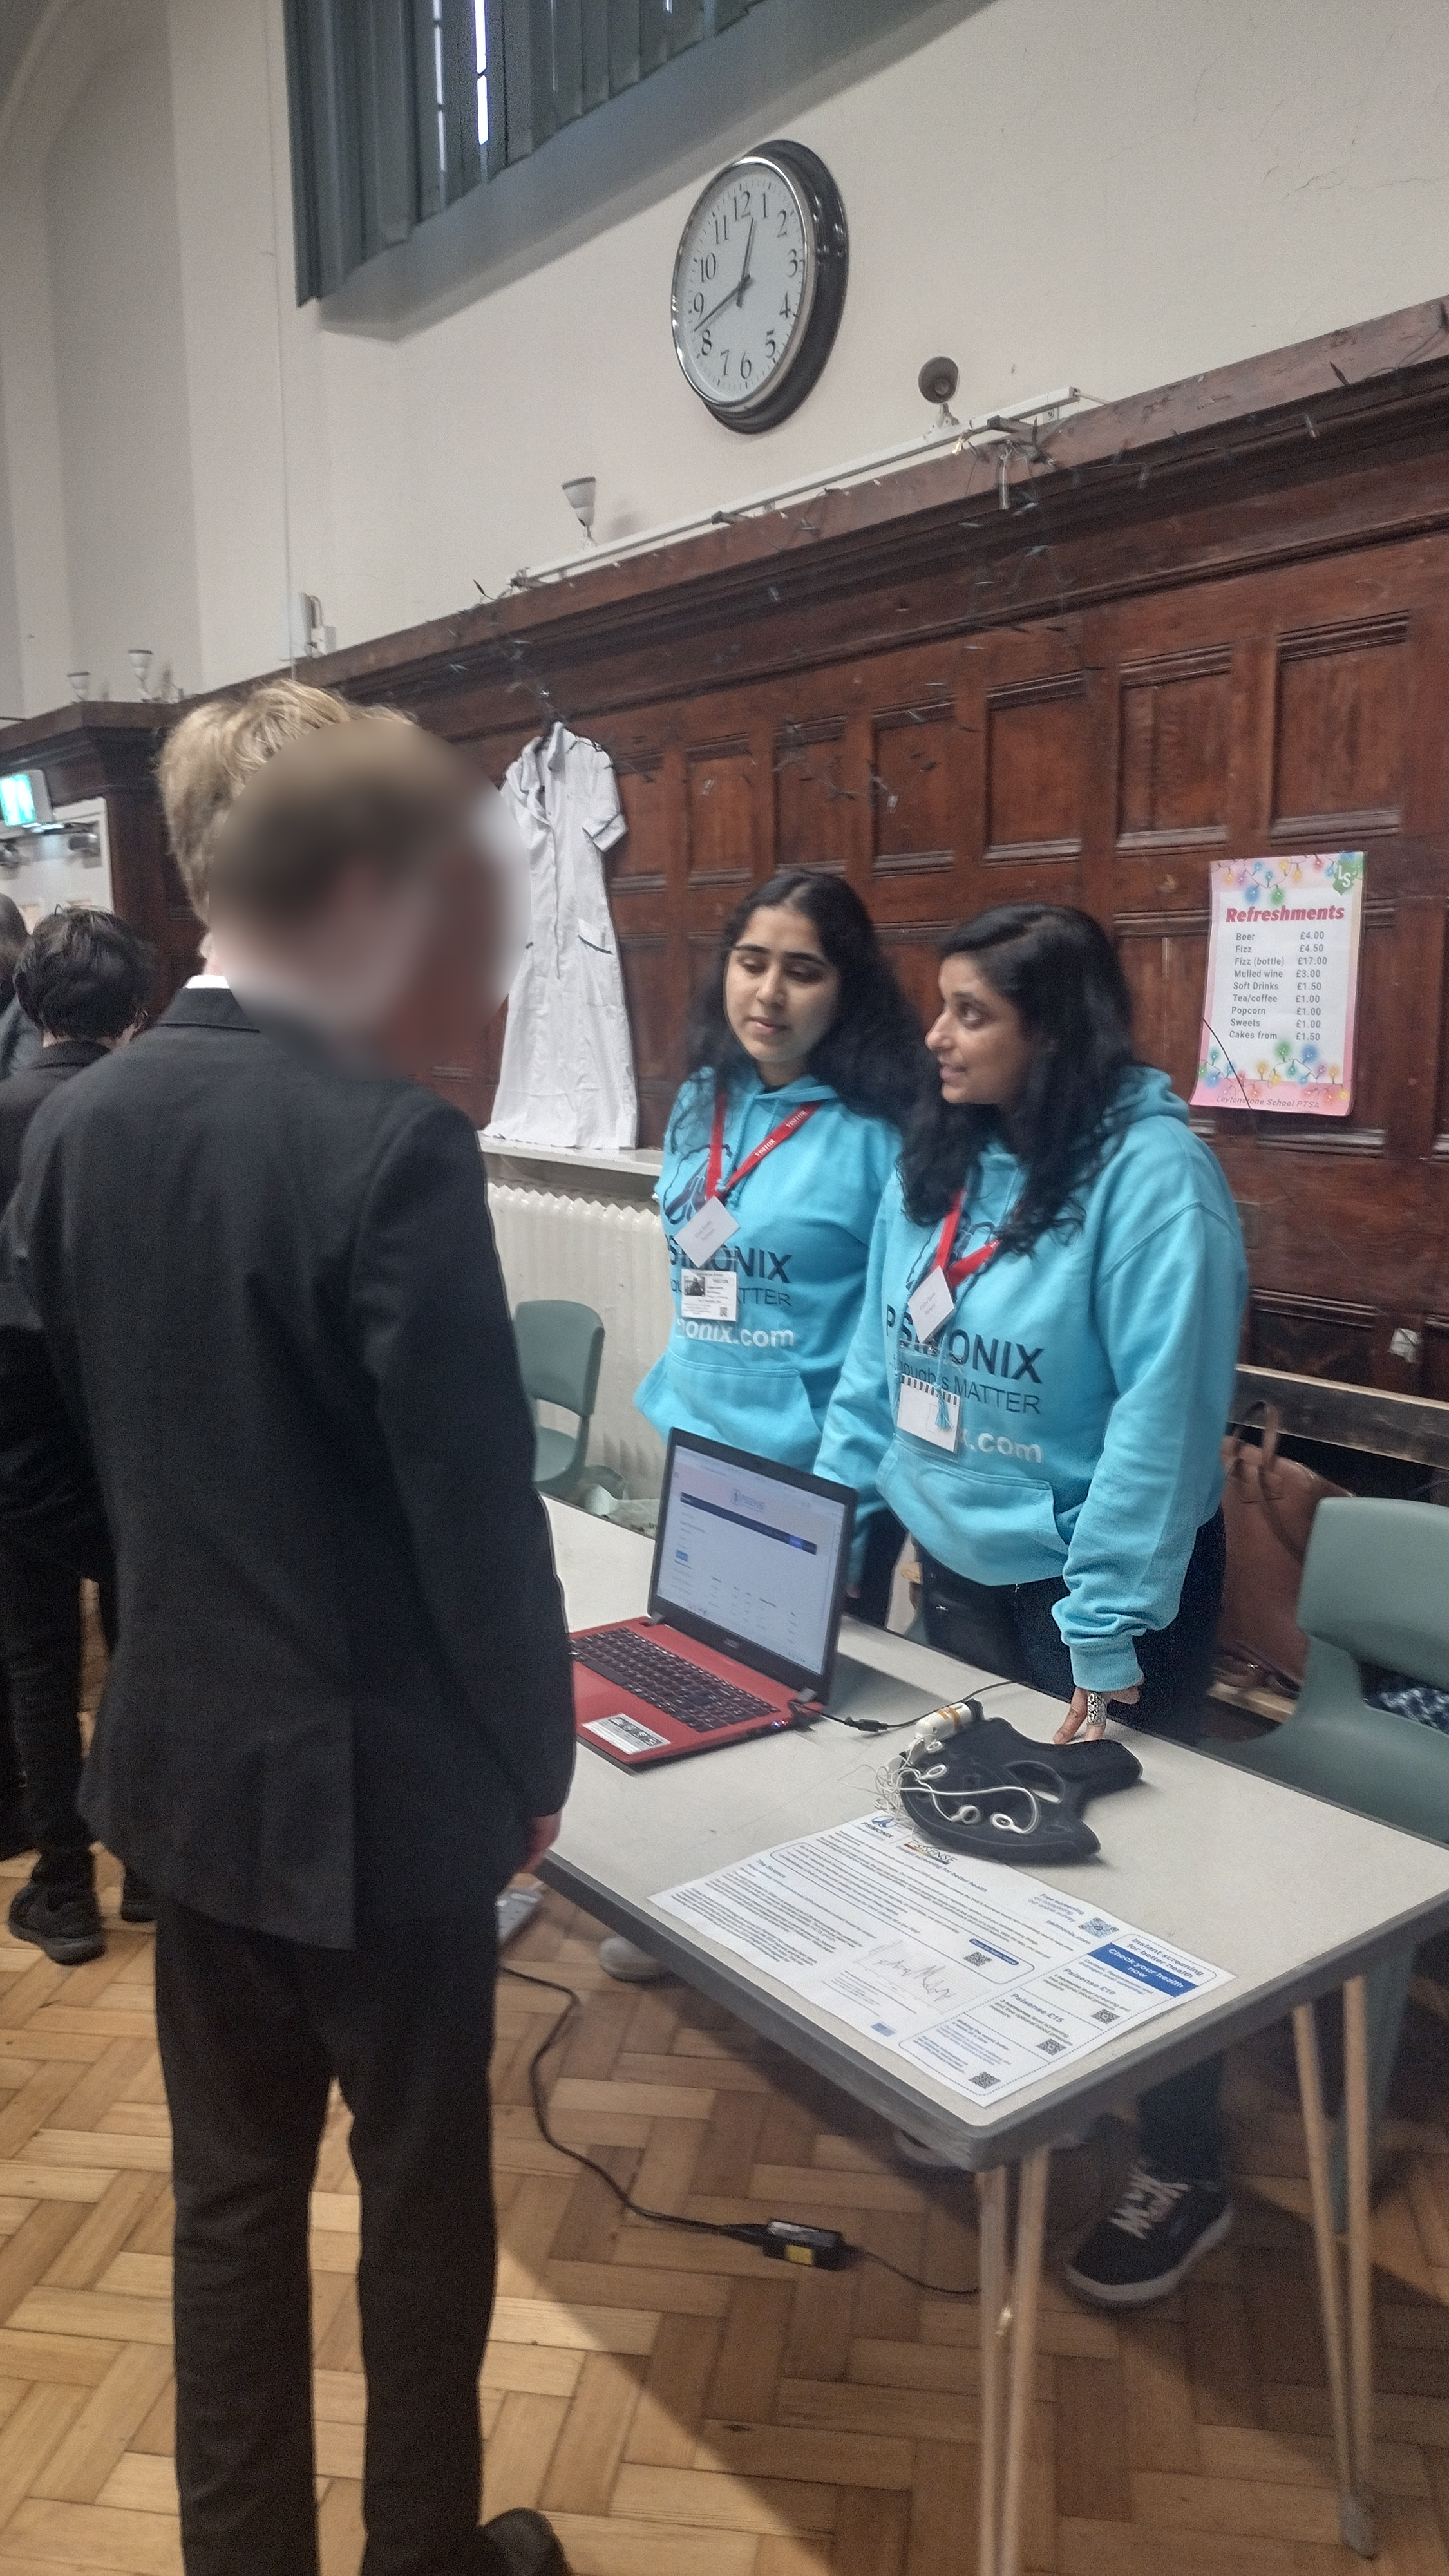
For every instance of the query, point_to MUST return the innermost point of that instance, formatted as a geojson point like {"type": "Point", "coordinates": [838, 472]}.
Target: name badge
{"type": "Point", "coordinates": [932, 1305]}
{"type": "Point", "coordinates": [708, 1228]}
{"type": "Point", "coordinates": [709, 1296]}
{"type": "Point", "coordinates": [929, 1413]}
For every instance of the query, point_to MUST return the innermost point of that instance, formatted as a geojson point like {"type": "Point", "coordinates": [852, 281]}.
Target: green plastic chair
{"type": "Point", "coordinates": [560, 1351]}
{"type": "Point", "coordinates": [1375, 1591]}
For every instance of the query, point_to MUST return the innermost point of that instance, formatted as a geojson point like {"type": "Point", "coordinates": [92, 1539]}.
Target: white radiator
{"type": "Point", "coordinates": [613, 1259]}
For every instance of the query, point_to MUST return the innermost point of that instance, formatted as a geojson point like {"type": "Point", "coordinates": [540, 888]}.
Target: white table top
{"type": "Point", "coordinates": [1289, 1894]}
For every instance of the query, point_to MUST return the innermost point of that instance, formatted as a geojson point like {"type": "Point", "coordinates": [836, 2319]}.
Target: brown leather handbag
{"type": "Point", "coordinates": [1268, 1508]}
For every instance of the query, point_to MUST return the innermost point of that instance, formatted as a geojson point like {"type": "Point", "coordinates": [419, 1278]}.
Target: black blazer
{"type": "Point", "coordinates": [25, 1092]}
{"type": "Point", "coordinates": [268, 1284]}
{"type": "Point", "coordinates": [48, 1499]}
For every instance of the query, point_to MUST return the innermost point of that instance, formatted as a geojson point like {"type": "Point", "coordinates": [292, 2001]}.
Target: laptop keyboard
{"type": "Point", "coordinates": [669, 1682]}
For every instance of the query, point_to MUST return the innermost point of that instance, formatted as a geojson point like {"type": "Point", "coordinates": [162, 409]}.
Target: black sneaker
{"type": "Point", "coordinates": [64, 1922]}
{"type": "Point", "coordinates": [520, 2544]}
{"type": "Point", "coordinates": [1160, 2227]}
{"type": "Point", "coordinates": [138, 1905]}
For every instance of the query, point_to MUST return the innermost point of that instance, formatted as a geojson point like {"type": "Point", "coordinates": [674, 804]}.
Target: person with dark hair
{"type": "Point", "coordinates": [82, 980]}
{"type": "Point", "coordinates": [804, 1059]}
{"type": "Point", "coordinates": [19, 1036]}
{"type": "Point", "coordinates": [1039, 1388]}
{"type": "Point", "coordinates": [800, 1040]}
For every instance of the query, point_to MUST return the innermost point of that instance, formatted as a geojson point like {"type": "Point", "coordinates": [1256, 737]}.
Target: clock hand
{"type": "Point", "coordinates": [736, 294]}
{"type": "Point", "coordinates": [745, 277]}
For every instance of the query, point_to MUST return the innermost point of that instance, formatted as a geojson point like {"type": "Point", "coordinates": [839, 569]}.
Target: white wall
{"type": "Point", "coordinates": [112, 235]}
{"type": "Point", "coordinates": [1108, 192]}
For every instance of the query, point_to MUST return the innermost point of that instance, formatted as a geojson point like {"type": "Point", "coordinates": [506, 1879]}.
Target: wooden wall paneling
{"type": "Point", "coordinates": [1412, 1040]}
{"type": "Point", "coordinates": [1101, 760]}
{"type": "Point", "coordinates": [1218, 624]}
{"type": "Point", "coordinates": [719, 805]}
{"type": "Point", "coordinates": [1164, 957]}
{"type": "Point", "coordinates": [1312, 1336]}
{"type": "Point", "coordinates": [1341, 737]}
{"type": "Point", "coordinates": [812, 799]}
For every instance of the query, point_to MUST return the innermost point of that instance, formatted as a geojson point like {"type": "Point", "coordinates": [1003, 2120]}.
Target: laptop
{"type": "Point", "coordinates": [745, 1597]}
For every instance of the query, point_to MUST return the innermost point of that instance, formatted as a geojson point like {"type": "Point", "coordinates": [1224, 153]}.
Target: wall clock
{"type": "Point", "coordinates": [759, 284]}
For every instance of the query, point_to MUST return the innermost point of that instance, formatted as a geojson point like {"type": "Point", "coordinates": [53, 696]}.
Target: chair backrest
{"type": "Point", "coordinates": [560, 1350]}
{"type": "Point", "coordinates": [1376, 1585]}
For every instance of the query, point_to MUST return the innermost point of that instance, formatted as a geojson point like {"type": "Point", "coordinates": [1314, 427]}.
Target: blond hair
{"type": "Point", "coordinates": [378, 793]}
{"type": "Point", "coordinates": [212, 753]}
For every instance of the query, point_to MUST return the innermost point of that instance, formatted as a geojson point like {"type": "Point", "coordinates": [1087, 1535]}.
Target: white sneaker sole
{"type": "Point", "coordinates": [627, 1964]}
{"type": "Point", "coordinates": [1144, 2294]}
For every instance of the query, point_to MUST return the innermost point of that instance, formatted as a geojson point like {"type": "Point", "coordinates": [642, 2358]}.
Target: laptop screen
{"type": "Point", "coordinates": [753, 1556]}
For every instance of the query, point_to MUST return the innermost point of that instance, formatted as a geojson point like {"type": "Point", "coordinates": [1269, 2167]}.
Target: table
{"type": "Point", "coordinates": [1294, 1897]}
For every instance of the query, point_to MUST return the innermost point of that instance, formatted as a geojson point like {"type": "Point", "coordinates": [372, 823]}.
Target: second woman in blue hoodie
{"type": "Point", "coordinates": [1040, 1387]}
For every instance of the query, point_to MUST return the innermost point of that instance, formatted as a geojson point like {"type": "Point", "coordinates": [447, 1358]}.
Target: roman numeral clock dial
{"type": "Point", "coordinates": [759, 284]}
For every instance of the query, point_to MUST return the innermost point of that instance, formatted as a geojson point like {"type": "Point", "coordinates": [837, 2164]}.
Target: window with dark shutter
{"type": "Point", "coordinates": [398, 107]}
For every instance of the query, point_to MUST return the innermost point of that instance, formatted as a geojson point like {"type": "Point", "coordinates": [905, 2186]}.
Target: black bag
{"type": "Point", "coordinates": [982, 1788]}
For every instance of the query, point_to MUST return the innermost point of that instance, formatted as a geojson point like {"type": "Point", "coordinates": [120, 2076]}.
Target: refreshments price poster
{"type": "Point", "coordinates": [1282, 984]}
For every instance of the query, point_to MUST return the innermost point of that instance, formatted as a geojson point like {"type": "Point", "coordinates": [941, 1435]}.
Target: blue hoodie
{"type": "Point", "coordinates": [1094, 1375]}
{"type": "Point", "coordinates": [805, 1219]}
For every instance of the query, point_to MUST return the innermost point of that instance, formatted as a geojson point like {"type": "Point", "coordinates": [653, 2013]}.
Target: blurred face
{"type": "Point", "coordinates": [364, 949]}
{"type": "Point", "coordinates": [780, 992]}
{"type": "Point", "coordinates": [981, 1043]}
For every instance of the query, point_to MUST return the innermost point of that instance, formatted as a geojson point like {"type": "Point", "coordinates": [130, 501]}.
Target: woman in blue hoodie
{"type": "Point", "coordinates": [805, 1060]}
{"type": "Point", "coordinates": [1039, 1388]}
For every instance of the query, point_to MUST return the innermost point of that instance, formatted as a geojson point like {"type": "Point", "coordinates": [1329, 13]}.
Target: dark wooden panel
{"type": "Point", "coordinates": [720, 794]}
{"type": "Point", "coordinates": [639, 862]}
{"type": "Point", "coordinates": [1164, 957]}
{"type": "Point", "coordinates": [1312, 1337]}
{"type": "Point", "coordinates": [814, 828]}
{"type": "Point", "coordinates": [1175, 726]}
{"type": "Point", "coordinates": [1034, 761]}
{"type": "Point", "coordinates": [1341, 732]}
{"type": "Point", "coordinates": [911, 792]}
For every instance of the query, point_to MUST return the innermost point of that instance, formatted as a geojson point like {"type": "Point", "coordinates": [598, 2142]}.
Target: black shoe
{"type": "Point", "coordinates": [15, 1834]}
{"type": "Point", "coordinates": [520, 2544]}
{"type": "Point", "coordinates": [1160, 2227]}
{"type": "Point", "coordinates": [138, 1905]}
{"type": "Point", "coordinates": [64, 1922]}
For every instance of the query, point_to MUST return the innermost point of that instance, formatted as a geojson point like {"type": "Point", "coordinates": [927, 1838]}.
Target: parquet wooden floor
{"type": "Point", "coordinates": [679, 2406]}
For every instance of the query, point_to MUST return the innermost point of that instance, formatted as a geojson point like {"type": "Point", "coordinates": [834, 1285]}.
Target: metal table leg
{"type": "Point", "coordinates": [1026, 2293]}
{"type": "Point", "coordinates": [1008, 2329]}
{"type": "Point", "coordinates": [995, 2324]}
{"type": "Point", "coordinates": [1350, 2373]}
{"type": "Point", "coordinates": [1359, 2531]}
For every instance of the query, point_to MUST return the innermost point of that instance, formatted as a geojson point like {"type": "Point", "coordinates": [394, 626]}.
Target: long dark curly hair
{"type": "Point", "coordinates": [872, 1055]}
{"type": "Point", "coordinates": [1060, 970]}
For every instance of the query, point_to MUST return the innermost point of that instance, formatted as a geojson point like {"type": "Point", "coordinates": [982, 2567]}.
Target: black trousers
{"type": "Point", "coordinates": [252, 2032]}
{"type": "Point", "coordinates": [1008, 1628]}
{"type": "Point", "coordinates": [40, 1633]}
{"type": "Point", "coordinates": [885, 1537]}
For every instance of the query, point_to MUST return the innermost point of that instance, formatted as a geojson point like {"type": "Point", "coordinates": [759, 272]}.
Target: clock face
{"type": "Point", "coordinates": [745, 286]}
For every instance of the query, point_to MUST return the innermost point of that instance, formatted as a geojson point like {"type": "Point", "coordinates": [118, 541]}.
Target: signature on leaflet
{"type": "Point", "coordinates": [926, 1977]}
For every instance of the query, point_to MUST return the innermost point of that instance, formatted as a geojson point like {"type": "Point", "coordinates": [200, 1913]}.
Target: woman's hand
{"type": "Point", "coordinates": [1076, 1715]}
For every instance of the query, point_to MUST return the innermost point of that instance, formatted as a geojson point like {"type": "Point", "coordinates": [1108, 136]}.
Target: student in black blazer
{"type": "Point", "coordinates": [82, 979]}
{"type": "Point", "coordinates": [340, 1712]}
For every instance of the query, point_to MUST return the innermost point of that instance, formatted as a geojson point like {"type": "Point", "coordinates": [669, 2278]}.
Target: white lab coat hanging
{"type": "Point", "coordinates": [568, 1069]}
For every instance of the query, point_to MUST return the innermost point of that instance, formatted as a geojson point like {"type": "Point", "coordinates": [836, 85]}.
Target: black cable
{"type": "Point", "coordinates": [746, 2232]}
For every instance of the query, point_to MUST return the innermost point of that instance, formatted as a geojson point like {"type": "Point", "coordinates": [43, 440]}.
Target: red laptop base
{"type": "Point", "coordinates": [631, 1732]}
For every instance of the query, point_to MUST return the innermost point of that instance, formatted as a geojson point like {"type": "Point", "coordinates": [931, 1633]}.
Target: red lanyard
{"type": "Point", "coordinates": [780, 1135]}
{"type": "Point", "coordinates": [956, 1271]}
